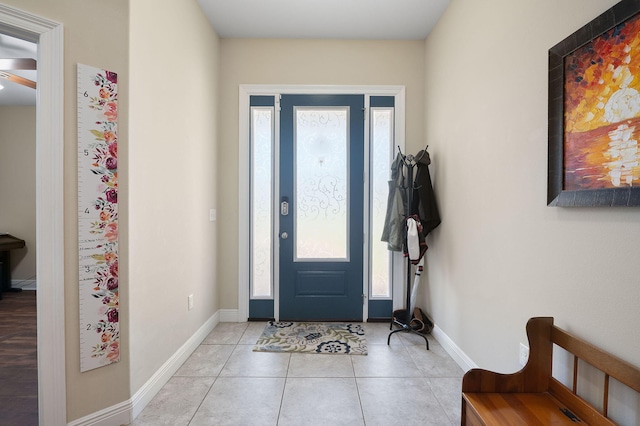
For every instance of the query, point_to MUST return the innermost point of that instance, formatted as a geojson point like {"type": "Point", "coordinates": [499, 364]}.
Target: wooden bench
{"type": "Point", "coordinates": [532, 396]}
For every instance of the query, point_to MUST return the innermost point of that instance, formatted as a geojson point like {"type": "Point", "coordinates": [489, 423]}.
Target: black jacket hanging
{"type": "Point", "coordinates": [424, 199]}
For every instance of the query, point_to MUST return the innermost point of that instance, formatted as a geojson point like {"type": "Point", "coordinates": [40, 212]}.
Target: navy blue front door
{"type": "Point", "coordinates": [321, 207]}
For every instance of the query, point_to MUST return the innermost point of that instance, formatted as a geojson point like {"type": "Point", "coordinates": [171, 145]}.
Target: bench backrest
{"type": "Point", "coordinates": [609, 365]}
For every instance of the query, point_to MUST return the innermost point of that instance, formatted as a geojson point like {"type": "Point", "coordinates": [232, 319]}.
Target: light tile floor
{"type": "Point", "coordinates": [225, 383]}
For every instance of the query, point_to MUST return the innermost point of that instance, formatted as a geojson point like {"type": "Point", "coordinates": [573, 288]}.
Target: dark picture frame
{"type": "Point", "coordinates": [561, 191]}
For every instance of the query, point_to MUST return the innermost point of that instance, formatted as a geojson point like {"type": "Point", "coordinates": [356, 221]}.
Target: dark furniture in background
{"type": "Point", "coordinates": [7, 243]}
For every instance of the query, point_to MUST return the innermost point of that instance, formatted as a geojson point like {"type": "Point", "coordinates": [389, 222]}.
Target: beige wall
{"type": "Point", "coordinates": [501, 255]}
{"type": "Point", "coordinates": [313, 62]}
{"type": "Point", "coordinates": [476, 89]}
{"type": "Point", "coordinates": [172, 169]}
{"type": "Point", "coordinates": [18, 185]}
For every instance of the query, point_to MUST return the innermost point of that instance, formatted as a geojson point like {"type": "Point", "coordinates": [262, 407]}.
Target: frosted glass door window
{"type": "Point", "coordinates": [261, 204]}
{"type": "Point", "coordinates": [381, 138]}
{"type": "Point", "coordinates": [321, 183]}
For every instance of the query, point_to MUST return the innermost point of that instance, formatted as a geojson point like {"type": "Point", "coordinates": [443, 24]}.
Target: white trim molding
{"type": "Point", "coordinates": [230, 315]}
{"type": "Point", "coordinates": [125, 412]}
{"type": "Point", "coordinates": [453, 350]}
{"type": "Point", "coordinates": [119, 414]}
{"type": "Point", "coordinates": [25, 284]}
{"type": "Point", "coordinates": [146, 393]}
{"type": "Point", "coordinates": [48, 34]}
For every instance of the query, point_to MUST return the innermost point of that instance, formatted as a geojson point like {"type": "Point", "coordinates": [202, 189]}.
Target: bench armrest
{"type": "Point", "coordinates": [535, 375]}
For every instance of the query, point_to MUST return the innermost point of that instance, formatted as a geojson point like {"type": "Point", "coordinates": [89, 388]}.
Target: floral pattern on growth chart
{"type": "Point", "coordinates": [98, 216]}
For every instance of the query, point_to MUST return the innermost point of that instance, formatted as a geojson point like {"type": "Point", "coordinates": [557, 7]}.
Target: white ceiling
{"type": "Point", "coordinates": [327, 19]}
{"type": "Point", "coordinates": [305, 19]}
{"type": "Point", "coordinates": [14, 93]}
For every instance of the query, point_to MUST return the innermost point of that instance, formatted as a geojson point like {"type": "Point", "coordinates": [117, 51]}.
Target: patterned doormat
{"type": "Point", "coordinates": [312, 337]}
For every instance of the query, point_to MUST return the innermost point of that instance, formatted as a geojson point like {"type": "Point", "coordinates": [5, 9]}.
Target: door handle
{"type": "Point", "coordinates": [284, 235]}
{"type": "Point", "coordinates": [284, 206]}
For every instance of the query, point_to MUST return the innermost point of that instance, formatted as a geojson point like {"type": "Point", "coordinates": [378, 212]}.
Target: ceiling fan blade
{"type": "Point", "coordinates": [17, 79]}
{"type": "Point", "coordinates": [18, 64]}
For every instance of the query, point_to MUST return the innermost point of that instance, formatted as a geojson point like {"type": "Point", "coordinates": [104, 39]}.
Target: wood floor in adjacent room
{"type": "Point", "coordinates": [18, 359]}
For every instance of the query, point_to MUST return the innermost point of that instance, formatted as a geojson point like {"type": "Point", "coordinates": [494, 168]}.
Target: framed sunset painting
{"type": "Point", "coordinates": [594, 112]}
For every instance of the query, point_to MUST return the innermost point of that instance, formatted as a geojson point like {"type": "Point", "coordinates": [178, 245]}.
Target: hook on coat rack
{"type": "Point", "coordinates": [422, 153]}
{"type": "Point", "coordinates": [411, 159]}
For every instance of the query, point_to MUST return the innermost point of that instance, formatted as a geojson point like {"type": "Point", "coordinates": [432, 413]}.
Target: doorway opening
{"type": "Point", "coordinates": [18, 308]}
{"type": "Point", "coordinates": [49, 206]}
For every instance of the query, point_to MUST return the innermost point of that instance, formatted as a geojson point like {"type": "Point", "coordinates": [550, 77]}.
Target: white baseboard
{"type": "Point", "coordinates": [125, 412]}
{"type": "Point", "coordinates": [119, 414]}
{"type": "Point", "coordinates": [25, 284]}
{"type": "Point", "coordinates": [229, 315]}
{"type": "Point", "coordinates": [146, 393]}
{"type": "Point", "coordinates": [453, 350]}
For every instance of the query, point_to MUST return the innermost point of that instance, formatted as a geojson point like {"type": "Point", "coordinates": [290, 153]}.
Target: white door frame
{"type": "Point", "coordinates": [245, 92]}
{"type": "Point", "coordinates": [52, 401]}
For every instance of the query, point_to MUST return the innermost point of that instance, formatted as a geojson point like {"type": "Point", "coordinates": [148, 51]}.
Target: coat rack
{"type": "Point", "coordinates": [409, 162]}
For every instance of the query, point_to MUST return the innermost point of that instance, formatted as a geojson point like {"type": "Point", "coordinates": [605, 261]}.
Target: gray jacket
{"type": "Point", "coordinates": [393, 229]}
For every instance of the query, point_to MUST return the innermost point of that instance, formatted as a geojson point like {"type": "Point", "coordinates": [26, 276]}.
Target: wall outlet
{"type": "Point", "coordinates": [190, 301]}
{"type": "Point", "coordinates": [212, 215]}
{"type": "Point", "coordinates": [524, 354]}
